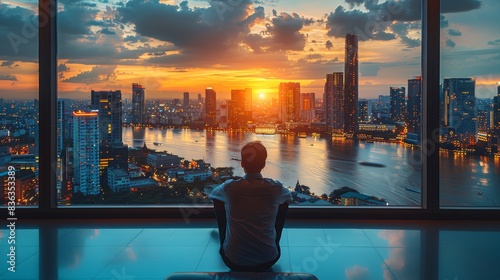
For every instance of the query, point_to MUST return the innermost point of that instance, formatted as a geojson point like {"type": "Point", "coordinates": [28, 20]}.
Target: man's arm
{"type": "Point", "coordinates": [220, 215]}
{"type": "Point", "coordinates": [280, 220]}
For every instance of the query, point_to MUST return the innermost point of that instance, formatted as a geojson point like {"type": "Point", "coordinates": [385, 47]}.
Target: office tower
{"type": "Point", "coordinates": [185, 102]}
{"type": "Point", "coordinates": [307, 106]}
{"type": "Point", "coordinates": [138, 98]}
{"type": "Point", "coordinates": [363, 110]}
{"type": "Point", "coordinates": [461, 111]}
{"type": "Point", "coordinates": [239, 111]}
{"type": "Point", "coordinates": [109, 107]}
{"type": "Point", "coordinates": [351, 86]}
{"type": "Point", "coordinates": [199, 98]}
{"type": "Point", "coordinates": [60, 139]}
{"type": "Point", "coordinates": [86, 152]}
{"type": "Point", "coordinates": [210, 107]}
{"type": "Point", "coordinates": [496, 115]}
{"type": "Point", "coordinates": [289, 100]}
{"type": "Point", "coordinates": [414, 113]}
{"type": "Point", "coordinates": [334, 102]}
{"type": "Point", "coordinates": [398, 104]}
{"type": "Point", "coordinates": [224, 114]}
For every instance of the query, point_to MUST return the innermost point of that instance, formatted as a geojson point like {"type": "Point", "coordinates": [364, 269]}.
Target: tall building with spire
{"type": "Point", "coordinates": [138, 99]}
{"type": "Point", "coordinates": [334, 102]}
{"type": "Point", "coordinates": [351, 86]}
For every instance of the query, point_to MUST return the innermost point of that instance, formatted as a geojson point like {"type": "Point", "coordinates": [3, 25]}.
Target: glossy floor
{"type": "Point", "coordinates": [350, 250]}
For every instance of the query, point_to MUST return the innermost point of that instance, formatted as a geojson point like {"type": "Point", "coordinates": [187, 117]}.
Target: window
{"type": "Point", "coordinates": [19, 131]}
{"type": "Point", "coordinates": [169, 92]}
{"type": "Point", "coordinates": [470, 96]}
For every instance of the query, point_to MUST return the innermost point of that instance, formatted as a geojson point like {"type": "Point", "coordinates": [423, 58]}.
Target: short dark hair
{"type": "Point", "coordinates": [253, 157]}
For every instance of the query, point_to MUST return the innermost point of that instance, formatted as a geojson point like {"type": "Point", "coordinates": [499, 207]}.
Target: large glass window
{"type": "Point", "coordinates": [156, 99]}
{"type": "Point", "coordinates": [19, 131]}
{"type": "Point", "coordinates": [470, 104]}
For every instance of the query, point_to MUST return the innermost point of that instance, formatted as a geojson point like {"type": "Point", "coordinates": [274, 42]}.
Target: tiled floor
{"type": "Point", "coordinates": [355, 250]}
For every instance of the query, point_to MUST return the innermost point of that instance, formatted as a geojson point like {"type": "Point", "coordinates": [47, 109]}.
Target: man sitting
{"type": "Point", "coordinates": [251, 213]}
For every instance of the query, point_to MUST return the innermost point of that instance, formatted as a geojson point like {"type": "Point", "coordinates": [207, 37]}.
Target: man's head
{"type": "Point", "coordinates": [253, 157]}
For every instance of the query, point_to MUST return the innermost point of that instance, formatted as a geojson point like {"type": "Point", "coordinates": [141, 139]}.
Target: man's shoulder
{"type": "Point", "coordinates": [273, 182]}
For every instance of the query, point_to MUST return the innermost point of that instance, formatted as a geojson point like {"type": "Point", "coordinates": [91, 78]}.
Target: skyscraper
{"type": "Point", "coordinates": [496, 115]}
{"type": "Point", "coordinates": [363, 110]}
{"type": "Point", "coordinates": [351, 86]}
{"type": "Point", "coordinates": [307, 106]}
{"type": "Point", "coordinates": [289, 100]}
{"type": "Point", "coordinates": [240, 111]}
{"type": "Point", "coordinates": [461, 109]}
{"type": "Point", "coordinates": [334, 102]}
{"type": "Point", "coordinates": [109, 107]}
{"type": "Point", "coordinates": [60, 139]}
{"type": "Point", "coordinates": [86, 152]}
{"type": "Point", "coordinates": [138, 98]}
{"type": "Point", "coordinates": [414, 114]}
{"type": "Point", "coordinates": [185, 102]}
{"type": "Point", "coordinates": [398, 104]}
{"type": "Point", "coordinates": [210, 107]}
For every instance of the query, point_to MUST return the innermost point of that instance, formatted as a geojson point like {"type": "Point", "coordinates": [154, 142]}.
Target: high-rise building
{"type": "Point", "coordinates": [334, 102]}
{"type": "Point", "coordinates": [351, 86]}
{"type": "Point", "coordinates": [240, 112]}
{"type": "Point", "coordinates": [289, 99]}
{"type": "Point", "coordinates": [461, 110]}
{"type": "Point", "coordinates": [398, 104]}
{"type": "Point", "coordinates": [60, 139]}
{"type": "Point", "coordinates": [496, 117]}
{"type": "Point", "coordinates": [363, 110]}
{"type": "Point", "coordinates": [109, 107]}
{"type": "Point", "coordinates": [86, 152]}
{"type": "Point", "coordinates": [185, 101]}
{"type": "Point", "coordinates": [210, 107]}
{"type": "Point", "coordinates": [307, 106]}
{"type": "Point", "coordinates": [414, 108]}
{"type": "Point", "coordinates": [138, 99]}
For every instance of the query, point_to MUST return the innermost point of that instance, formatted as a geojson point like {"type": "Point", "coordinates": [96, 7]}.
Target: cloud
{"type": "Point", "coordinates": [7, 77]}
{"type": "Point", "coordinates": [494, 43]}
{"type": "Point", "coordinates": [369, 69]}
{"type": "Point", "coordinates": [285, 32]}
{"type": "Point", "coordinates": [357, 273]}
{"type": "Point", "coordinates": [454, 32]}
{"type": "Point", "coordinates": [97, 74]}
{"type": "Point", "coordinates": [443, 22]}
{"type": "Point", "coordinates": [7, 63]}
{"type": "Point", "coordinates": [450, 43]}
{"type": "Point", "coordinates": [314, 56]}
{"type": "Point", "coordinates": [401, 29]}
{"type": "Point", "coordinates": [353, 3]}
{"type": "Point", "coordinates": [19, 34]}
{"type": "Point", "coordinates": [328, 44]}
{"type": "Point", "coordinates": [61, 69]}
{"type": "Point", "coordinates": [365, 25]}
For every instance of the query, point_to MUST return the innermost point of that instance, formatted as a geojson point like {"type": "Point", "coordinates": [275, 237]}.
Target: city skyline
{"type": "Point", "coordinates": [278, 42]}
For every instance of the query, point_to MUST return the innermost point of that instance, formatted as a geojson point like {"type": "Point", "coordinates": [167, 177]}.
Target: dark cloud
{"type": "Point", "coordinates": [199, 30]}
{"type": "Point", "coordinates": [401, 29]}
{"type": "Point", "coordinates": [7, 63]}
{"type": "Point", "coordinates": [328, 44]}
{"type": "Point", "coordinates": [454, 32]}
{"type": "Point", "coordinates": [494, 43]}
{"type": "Point", "coordinates": [365, 25]}
{"type": "Point", "coordinates": [314, 56]}
{"type": "Point", "coordinates": [443, 22]}
{"type": "Point", "coordinates": [135, 39]}
{"type": "Point", "coordinates": [353, 3]}
{"type": "Point", "coordinates": [107, 31]}
{"type": "Point", "coordinates": [7, 77]}
{"type": "Point", "coordinates": [61, 69]}
{"type": "Point", "coordinates": [376, 22]}
{"type": "Point", "coordinates": [450, 43]}
{"type": "Point", "coordinates": [285, 32]}
{"type": "Point", "coordinates": [97, 74]}
{"type": "Point", "coordinates": [19, 33]}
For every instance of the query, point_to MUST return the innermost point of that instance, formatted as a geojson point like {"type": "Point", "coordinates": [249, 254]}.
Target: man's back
{"type": "Point", "coordinates": [251, 205]}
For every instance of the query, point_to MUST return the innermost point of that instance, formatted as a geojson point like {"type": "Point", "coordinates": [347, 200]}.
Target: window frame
{"type": "Point", "coordinates": [430, 208]}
